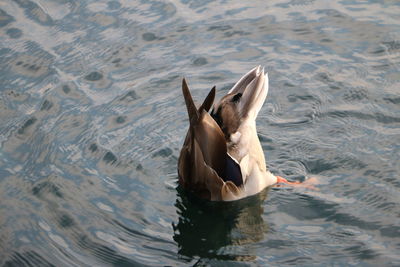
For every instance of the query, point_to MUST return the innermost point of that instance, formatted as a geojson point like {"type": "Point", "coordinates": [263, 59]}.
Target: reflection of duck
{"type": "Point", "coordinates": [208, 229]}
{"type": "Point", "coordinates": [222, 158]}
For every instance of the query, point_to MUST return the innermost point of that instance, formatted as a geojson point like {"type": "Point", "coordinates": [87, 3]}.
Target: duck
{"type": "Point", "coordinates": [222, 158]}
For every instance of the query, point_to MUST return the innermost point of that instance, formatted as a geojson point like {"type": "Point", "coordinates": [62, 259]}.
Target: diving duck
{"type": "Point", "coordinates": [222, 158]}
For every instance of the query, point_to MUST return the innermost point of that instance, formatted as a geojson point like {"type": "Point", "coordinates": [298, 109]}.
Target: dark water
{"type": "Point", "coordinates": [92, 120]}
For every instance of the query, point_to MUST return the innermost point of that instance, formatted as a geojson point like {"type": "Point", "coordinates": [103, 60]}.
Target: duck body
{"type": "Point", "coordinates": [222, 158]}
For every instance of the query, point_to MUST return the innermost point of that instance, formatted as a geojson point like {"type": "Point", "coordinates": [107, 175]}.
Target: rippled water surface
{"type": "Point", "coordinates": [92, 120]}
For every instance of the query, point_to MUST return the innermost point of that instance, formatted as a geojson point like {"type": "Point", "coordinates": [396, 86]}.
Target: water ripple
{"type": "Point", "coordinates": [92, 120]}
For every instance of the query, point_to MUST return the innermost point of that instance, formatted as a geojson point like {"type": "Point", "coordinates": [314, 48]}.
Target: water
{"type": "Point", "coordinates": [92, 120]}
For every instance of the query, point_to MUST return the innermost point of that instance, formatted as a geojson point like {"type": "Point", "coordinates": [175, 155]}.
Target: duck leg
{"type": "Point", "coordinates": [309, 183]}
{"type": "Point", "coordinates": [281, 180]}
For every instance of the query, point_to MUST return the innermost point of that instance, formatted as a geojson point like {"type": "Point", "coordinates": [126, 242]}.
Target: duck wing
{"type": "Point", "coordinates": [203, 163]}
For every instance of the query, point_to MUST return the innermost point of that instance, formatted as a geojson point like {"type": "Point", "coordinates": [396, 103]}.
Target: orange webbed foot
{"type": "Point", "coordinates": [281, 180]}
{"type": "Point", "coordinates": [309, 183]}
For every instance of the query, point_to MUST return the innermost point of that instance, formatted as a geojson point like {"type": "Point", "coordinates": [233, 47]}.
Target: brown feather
{"type": "Point", "coordinates": [227, 116]}
{"type": "Point", "coordinates": [208, 101]}
{"type": "Point", "coordinates": [191, 108]}
{"type": "Point", "coordinates": [202, 159]}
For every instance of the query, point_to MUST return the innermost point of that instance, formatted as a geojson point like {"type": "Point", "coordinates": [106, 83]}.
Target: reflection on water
{"type": "Point", "coordinates": [213, 229]}
{"type": "Point", "coordinates": [92, 120]}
